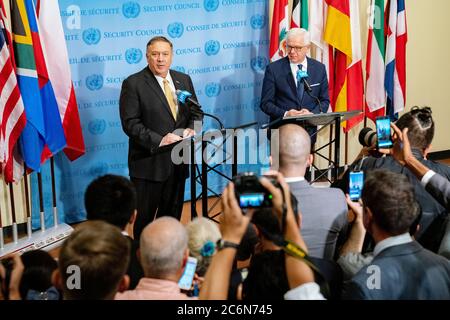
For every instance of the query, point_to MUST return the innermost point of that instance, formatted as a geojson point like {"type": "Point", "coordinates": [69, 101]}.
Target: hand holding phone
{"type": "Point", "coordinates": [356, 181]}
{"type": "Point", "coordinates": [384, 140]}
{"type": "Point", "coordinates": [186, 279]}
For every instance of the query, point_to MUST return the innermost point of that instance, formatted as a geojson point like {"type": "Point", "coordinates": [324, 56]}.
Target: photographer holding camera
{"type": "Point", "coordinates": [233, 226]}
{"type": "Point", "coordinates": [420, 125]}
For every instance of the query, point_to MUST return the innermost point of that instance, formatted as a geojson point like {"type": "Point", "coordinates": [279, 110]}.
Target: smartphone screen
{"type": "Point", "coordinates": [254, 200]}
{"type": "Point", "coordinates": [355, 185]}
{"type": "Point", "coordinates": [384, 132]}
{"type": "Point", "coordinates": [185, 281]}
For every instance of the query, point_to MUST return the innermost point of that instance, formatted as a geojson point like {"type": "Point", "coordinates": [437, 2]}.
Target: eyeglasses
{"type": "Point", "coordinates": [296, 49]}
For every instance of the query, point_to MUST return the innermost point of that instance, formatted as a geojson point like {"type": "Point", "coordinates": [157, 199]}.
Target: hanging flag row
{"type": "Point", "coordinates": [38, 109]}
{"type": "Point", "coordinates": [336, 36]}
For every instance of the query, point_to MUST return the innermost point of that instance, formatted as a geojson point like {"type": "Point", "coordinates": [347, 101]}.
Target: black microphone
{"type": "Point", "coordinates": [183, 96]}
{"type": "Point", "coordinates": [306, 84]}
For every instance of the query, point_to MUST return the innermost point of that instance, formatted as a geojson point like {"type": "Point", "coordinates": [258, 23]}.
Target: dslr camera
{"type": "Point", "coordinates": [249, 191]}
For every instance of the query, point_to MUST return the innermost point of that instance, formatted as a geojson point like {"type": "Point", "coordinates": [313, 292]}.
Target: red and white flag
{"type": "Point", "coordinates": [12, 112]}
{"type": "Point", "coordinates": [395, 77]}
{"type": "Point", "coordinates": [55, 51]}
{"type": "Point", "coordinates": [280, 27]}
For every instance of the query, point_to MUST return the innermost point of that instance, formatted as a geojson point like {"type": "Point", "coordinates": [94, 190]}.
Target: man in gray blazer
{"type": "Point", "coordinates": [324, 210]}
{"type": "Point", "coordinates": [401, 268]}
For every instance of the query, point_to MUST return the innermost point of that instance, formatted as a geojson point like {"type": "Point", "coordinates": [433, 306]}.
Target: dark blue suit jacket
{"type": "Point", "coordinates": [407, 271]}
{"type": "Point", "coordinates": [279, 93]}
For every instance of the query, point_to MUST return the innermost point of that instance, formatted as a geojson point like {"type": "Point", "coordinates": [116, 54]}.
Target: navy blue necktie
{"type": "Point", "coordinates": [300, 86]}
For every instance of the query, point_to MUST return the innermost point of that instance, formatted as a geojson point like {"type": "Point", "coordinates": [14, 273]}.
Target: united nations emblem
{"type": "Point", "coordinates": [94, 82]}
{"type": "Point", "coordinates": [97, 126]}
{"type": "Point", "coordinates": [91, 36]}
{"type": "Point", "coordinates": [175, 30]}
{"type": "Point", "coordinates": [212, 89]}
{"type": "Point", "coordinates": [259, 63]}
{"type": "Point", "coordinates": [258, 21]}
{"type": "Point", "coordinates": [212, 47]}
{"type": "Point", "coordinates": [133, 55]}
{"type": "Point", "coordinates": [131, 9]}
{"type": "Point", "coordinates": [211, 5]}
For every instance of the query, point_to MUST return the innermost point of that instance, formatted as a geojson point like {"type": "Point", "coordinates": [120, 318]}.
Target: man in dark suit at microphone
{"type": "Point", "coordinates": [295, 85]}
{"type": "Point", "coordinates": [150, 115]}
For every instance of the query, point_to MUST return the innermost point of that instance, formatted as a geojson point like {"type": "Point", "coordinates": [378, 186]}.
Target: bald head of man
{"type": "Point", "coordinates": [294, 150]}
{"type": "Point", "coordinates": [164, 249]}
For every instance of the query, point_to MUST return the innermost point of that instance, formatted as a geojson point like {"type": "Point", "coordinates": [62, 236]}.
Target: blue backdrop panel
{"type": "Point", "coordinates": [221, 44]}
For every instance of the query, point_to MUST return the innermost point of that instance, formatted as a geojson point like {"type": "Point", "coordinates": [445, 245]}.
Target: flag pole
{"type": "Point", "coordinates": [55, 209]}
{"type": "Point", "coordinates": [27, 204]}
{"type": "Point", "coordinates": [13, 212]}
{"type": "Point", "coordinates": [346, 149]}
{"type": "Point", "coordinates": [41, 202]}
{"type": "Point", "coordinates": [329, 145]}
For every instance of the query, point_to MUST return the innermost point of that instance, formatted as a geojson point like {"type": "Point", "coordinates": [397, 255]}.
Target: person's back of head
{"type": "Point", "coordinates": [294, 148]}
{"type": "Point", "coordinates": [36, 282]}
{"type": "Point", "coordinates": [420, 126]}
{"type": "Point", "coordinates": [163, 249]}
{"type": "Point", "coordinates": [93, 261]}
{"type": "Point", "coordinates": [390, 198]}
{"type": "Point", "coordinates": [203, 235]}
{"type": "Point", "coordinates": [266, 278]}
{"type": "Point", "coordinates": [267, 223]}
{"type": "Point", "coordinates": [111, 198]}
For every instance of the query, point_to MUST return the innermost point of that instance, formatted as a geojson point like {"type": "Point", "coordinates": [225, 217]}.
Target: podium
{"type": "Point", "coordinates": [324, 120]}
{"type": "Point", "coordinates": [199, 169]}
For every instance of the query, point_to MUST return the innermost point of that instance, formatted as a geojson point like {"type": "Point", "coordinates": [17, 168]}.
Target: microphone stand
{"type": "Point", "coordinates": [308, 91]}
{"type": "Point", "coordinates": [222, 127]}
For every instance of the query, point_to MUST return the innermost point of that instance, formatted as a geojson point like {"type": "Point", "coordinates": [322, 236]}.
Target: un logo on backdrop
{"type": "Point", "coordinates": [99, 169]}
{"type": "Point", "coordinates": [131, 9]}
{"type": "Point", "coordinates": [179, 69]}
{"type": "Point", "coordinates": [175, 30]}
{"type": "Point", "coordinates": [212, 47]}
{"type": "Point", "coordinates": [211, 5]}
{"type": "Point", "coordinates": [133, 55]}
{"type": "Point", "coordinates": [97, 126]}
{"type": "Point", "coordinates": [212, 89]}
{"type": "Point", "coordinates": [91, 36]}
{"type": "Point", "coordinates": [259, 63]}
{"type": "Point", "coordinates": [94, 82]}
{"type": "Point", "coordinates": [258, 21]}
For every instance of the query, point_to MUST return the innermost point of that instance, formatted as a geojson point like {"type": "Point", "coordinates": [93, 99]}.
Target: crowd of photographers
{"type": "Point", "coordinates": [300, 243]}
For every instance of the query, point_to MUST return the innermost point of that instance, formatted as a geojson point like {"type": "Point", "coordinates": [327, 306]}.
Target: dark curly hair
{"type": "Point", "coordinates": [420, 126]}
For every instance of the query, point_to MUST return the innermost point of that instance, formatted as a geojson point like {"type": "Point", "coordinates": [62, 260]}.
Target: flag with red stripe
{"type": "Point", "coordinates": [323, 51]}
{"type": "Point", "coordinates": [342, 31]}
{"type": "Point", "coordinates": [395, 78]}
{"type": "Point", "coordinates": [12, 112]}
{"type": "Point", "coordinates": [280, 27]}
{"type": "Point", "coordinates": [53, 41]}
{"type": "Point", "coordinates": [54, 134]}
{"type": "Point", "coordinates": [375, 92]}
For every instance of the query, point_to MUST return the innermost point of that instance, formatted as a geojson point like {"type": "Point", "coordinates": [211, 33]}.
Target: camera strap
{"type": "Point", "coordinates": [297, 252]}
